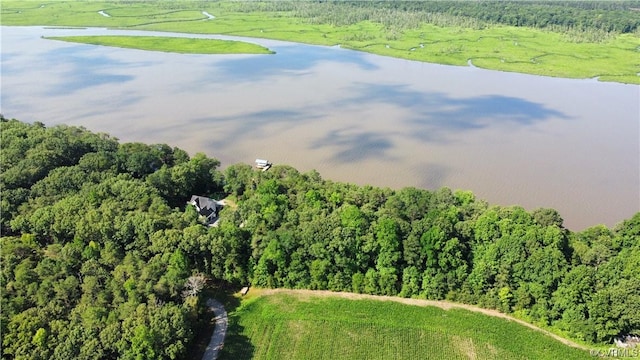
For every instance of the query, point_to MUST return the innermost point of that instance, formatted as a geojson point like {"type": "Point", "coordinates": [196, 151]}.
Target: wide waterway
{"type": "Point", "coordinates": [535, 141]}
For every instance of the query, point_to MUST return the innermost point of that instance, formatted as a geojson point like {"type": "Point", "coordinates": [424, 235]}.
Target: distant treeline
{"type": "Point", "coordinates": [610, 16]}
{"type": "Point", "coordinates": [606, 16]}
{"type": "Point", "coordinates": [102, 258]}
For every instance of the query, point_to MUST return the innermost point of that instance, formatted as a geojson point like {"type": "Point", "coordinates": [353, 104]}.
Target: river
{"type": "Point", "coordinates": [573, 145]}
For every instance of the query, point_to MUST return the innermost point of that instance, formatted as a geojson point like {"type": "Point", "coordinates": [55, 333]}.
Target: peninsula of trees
{"type": "Point", "coordinates": [99, 246]}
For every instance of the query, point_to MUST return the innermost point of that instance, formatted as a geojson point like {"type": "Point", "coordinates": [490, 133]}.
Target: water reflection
{"type": "Point", "coordinates": [435, 175]}
{"type": "Point", "coordinates": [427, 116]}
{"type": "Point", "coordinates": [288, 60]}
{"type": "Point", "coordinates": [85, 69]}
{"type": "Point", "coordinates": [110, 103]}
{"type": "Point", "coordinates": [255, 124]}
{"type": "Point", "coordinates": [435, 115]}
{"type": "Point", "coordinates": [354, 145]}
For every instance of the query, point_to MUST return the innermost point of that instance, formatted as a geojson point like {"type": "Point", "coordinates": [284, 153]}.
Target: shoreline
{"type": "Point", "coordinates": [255, 39]}
{"type": "Point", "coordinates": [394, 146]}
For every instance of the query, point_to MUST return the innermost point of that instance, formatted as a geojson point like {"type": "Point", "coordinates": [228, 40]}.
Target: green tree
{"type": "Point", "coordinates": [177, 271]}
{"type": "Point", "coordinates": [141, 345]}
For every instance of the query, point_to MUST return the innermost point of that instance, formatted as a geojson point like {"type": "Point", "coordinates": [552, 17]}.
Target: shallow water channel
{"type": "Point", "coordinates": [535, 141]}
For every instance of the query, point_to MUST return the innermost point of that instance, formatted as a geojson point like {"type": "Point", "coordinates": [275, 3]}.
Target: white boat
{"type": "Point", "coordinates": [263, 164]}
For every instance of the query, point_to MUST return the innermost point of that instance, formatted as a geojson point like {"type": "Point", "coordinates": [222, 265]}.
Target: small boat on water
{"type": "Point", "coordinates": [263, 164]}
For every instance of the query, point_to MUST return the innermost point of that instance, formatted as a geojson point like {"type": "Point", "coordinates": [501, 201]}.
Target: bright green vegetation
{"type": "Point", "coordinates": [98, 248]}
{"type": "Point", "coordinates": [562, 40]}
{"type": "Point", "coordinates": [171, 44]}
{"type": "Point", "coordinates": [283, 326]}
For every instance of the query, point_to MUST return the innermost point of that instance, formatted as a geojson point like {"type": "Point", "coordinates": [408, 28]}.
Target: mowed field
{"type": "Point", "coordinates": [302, 325]}
{"type": "Point", "coordinates": [505, 48]}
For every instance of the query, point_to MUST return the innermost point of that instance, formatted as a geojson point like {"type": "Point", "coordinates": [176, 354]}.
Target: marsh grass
{"type": "Point", "coordinates": [558, 53]}
{"type": "Point", "coordinates": [288, 326]}
{"type": "Point", "coordinates": [170, 44]}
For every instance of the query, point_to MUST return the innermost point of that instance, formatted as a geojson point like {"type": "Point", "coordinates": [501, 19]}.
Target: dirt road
{"type": "Point", "coordinates": [217, 338]}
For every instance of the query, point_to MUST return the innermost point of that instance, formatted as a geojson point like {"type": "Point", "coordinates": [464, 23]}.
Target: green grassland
{"type": "Point", "coordinates": [171, 44]}
{"type": "Point", "coordinates": [505, 48]}
{"type": "Point", "coordinates": [303, 326]}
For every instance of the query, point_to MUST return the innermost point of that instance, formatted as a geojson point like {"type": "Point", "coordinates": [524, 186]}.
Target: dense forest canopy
{"type": "Point", "coordinates": [607, 16]}
{"type": "Point", "coordinates": [610, 16]}
{"type": "Point", "coordinates": [100, 252]}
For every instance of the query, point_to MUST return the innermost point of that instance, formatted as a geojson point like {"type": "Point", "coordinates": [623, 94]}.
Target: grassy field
{"type": "Point", "coordinates": [503, 48]}
{"type": "Point", "coordinates": [170, 44]}
{"type": "Point", "coordinates": [304, 326]}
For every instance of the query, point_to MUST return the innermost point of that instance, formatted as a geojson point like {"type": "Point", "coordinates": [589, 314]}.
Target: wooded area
{"type": "Point", "coordinates": [99, 247]}
{"type": "Point", "coordinates": [587, 16]}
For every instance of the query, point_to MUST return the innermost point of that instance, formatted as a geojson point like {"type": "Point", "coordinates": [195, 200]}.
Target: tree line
{"type": "Point", "coordinates": [580, 20]}
{"type": "Point", "coordinates": [609, 16]}
{"type": "Point", "coordinates": [102, 258]}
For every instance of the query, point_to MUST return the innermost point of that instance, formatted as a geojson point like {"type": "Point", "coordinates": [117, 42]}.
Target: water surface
{"type": "Point", "coordinates": [572, 145]}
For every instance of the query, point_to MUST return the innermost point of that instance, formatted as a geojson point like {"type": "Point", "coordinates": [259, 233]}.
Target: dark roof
{"type": "Point", "coordinates": [205, 206]}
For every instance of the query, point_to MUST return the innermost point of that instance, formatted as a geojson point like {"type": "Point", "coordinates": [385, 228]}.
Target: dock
{"type": "Point", "coordinates": [263, 164]}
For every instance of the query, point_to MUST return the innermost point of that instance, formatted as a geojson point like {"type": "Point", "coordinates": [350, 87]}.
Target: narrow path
{"type": "Point", "coordinates": [446, 305]}
{"type": "Point", "coordinates": [217, 338]}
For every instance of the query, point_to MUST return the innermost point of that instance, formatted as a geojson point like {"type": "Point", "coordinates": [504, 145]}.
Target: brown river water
{"type": "Point", "coordinates": [573, 145]}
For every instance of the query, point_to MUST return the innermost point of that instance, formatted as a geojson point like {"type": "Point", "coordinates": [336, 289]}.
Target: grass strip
{"type": "Point", "coordinates": [170, 44]}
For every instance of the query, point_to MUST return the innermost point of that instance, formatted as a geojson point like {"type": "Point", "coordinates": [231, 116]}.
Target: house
{"type": "Point", "coordinates": [206, 207]}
